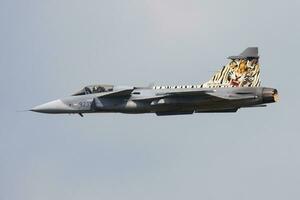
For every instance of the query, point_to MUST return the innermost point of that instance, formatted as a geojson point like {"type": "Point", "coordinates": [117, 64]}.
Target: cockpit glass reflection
{"type": "Point", "coordinates": [91, 89]}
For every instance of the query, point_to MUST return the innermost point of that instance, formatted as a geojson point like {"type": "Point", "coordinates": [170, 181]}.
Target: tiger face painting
{"type": "Point", "coordinates": [242, 72]}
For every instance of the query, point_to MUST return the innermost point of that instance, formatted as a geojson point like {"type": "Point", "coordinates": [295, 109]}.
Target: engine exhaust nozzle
{"type": "Point", "coordinates": [270, 95]}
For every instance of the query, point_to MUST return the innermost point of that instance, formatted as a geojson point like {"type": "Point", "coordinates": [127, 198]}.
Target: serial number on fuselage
{"type": "Point", "coordinates": [85, 104]}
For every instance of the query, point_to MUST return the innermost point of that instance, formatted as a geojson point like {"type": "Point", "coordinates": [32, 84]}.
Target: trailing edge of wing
{"type": "Point", "coordinates": [235, 97]}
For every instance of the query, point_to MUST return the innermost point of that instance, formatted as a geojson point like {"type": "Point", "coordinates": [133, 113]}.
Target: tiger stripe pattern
{"type": "Point", "coordinates": [237, 73]}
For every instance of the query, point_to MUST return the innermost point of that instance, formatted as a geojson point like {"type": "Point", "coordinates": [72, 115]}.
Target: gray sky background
{"type": "Point", "coordinates": [50, 49]}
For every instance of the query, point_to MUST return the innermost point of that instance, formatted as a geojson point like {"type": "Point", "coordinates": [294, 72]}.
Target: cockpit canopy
{"type": "Point", "coordinates": [91, 89]}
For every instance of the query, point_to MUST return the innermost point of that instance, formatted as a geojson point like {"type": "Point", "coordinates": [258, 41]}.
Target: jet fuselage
{"type": "Point", "coordinates": [235, 86]}
{"type": "Point", "coordinates": [148, 100]}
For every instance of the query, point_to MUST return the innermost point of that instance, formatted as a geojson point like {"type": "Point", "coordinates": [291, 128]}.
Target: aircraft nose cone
{"type": "Point", "coordinates": [56, 106]}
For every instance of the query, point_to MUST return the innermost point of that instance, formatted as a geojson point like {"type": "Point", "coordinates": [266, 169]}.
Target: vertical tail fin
{"type": "Point", "coordinates": [242, 71]}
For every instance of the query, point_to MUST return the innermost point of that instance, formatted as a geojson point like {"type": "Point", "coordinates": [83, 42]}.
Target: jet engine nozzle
{"type": "Point", "coordinates": [270, 95]}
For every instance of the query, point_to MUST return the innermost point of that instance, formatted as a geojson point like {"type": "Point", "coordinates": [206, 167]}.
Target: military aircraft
{"type": "Point", "coordinates": [236, 85]}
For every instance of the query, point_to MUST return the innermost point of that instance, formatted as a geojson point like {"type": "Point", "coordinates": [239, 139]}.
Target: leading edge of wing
{"type": "Point", "coordinates": [119, 93]}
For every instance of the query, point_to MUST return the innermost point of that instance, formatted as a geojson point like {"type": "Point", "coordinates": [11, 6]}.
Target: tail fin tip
{"type": "Point", "coordinates": [250, 52]}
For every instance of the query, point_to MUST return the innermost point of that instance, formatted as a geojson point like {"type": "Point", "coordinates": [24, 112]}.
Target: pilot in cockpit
{"type": "Point", "coordinates": [98, 89]}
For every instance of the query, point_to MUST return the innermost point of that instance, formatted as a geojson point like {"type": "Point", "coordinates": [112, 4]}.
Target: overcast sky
{"type": "Point", "coordinates": [52, 48]}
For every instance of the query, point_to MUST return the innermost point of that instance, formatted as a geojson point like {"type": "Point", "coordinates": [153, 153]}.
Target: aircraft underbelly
{"type": "Point", "coordinates": [176, 104]}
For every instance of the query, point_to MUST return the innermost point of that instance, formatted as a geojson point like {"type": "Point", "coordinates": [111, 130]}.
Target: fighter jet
{"type": "Point", "coordinates": [235, 86]}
